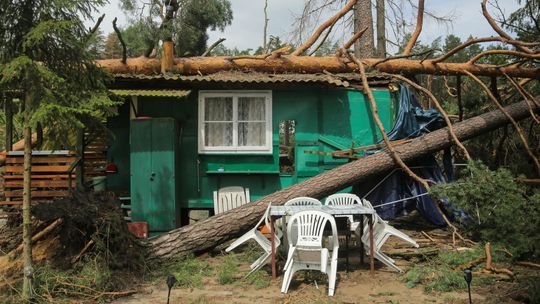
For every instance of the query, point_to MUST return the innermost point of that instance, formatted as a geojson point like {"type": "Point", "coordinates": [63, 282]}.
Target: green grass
{"type": "Point", "coordinates": [259, 279]}
{"type": "Point", "coordinates": [190, 271]}
{"type": "Point", "coordinates": [228, 270]}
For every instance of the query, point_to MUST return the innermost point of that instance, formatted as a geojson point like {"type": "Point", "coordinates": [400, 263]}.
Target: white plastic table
{"type": "Point", "coordinates": [354, 210]}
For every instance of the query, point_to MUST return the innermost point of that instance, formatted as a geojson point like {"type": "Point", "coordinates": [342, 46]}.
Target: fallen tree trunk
{"type": "Point", "coordinates": [308, 64]}
{"type": "Point", "coordinates": [216, 230]}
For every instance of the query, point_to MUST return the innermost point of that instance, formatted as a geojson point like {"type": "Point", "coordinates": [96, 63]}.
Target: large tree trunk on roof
{"type": "Point", "coordinates": [216, 230]}
{"type": "Point", "coordinates": [307, 64]}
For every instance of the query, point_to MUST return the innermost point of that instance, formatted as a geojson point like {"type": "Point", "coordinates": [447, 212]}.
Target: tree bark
{"type": "Point", "coordinates": [381, 29]}
{"type": "Point", "coordinates": [218, 229]}
{"type": "Point", "coordinates": [27, 197]}
{"type": "Point", "coordinates": [365, 46]}
{"type": "Point", "coordinates": [308, 64]}
{"type": "Point", "coordinates": [8, 110]}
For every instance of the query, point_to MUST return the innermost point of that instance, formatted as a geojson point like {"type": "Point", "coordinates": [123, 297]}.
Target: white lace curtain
{"type": "Point", "coordinates": [218, 117]}
{"type": "Point", "coordinates": [220, 120]}
{"type": "Point", "coordinates": [251, 121]}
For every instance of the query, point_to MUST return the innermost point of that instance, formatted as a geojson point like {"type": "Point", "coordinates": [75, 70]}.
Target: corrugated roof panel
{"type": "Point", "coordinates": [341, 80]}
{"type": "Point", "coordinates": [153, 93]}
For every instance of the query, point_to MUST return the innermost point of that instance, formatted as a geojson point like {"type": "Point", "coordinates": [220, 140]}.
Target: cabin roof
{"type": "Point", "coordinates": [239, 78]}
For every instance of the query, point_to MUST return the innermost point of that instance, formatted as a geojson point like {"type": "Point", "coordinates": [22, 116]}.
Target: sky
{"type": "Point", "coordinates": [246, 30]}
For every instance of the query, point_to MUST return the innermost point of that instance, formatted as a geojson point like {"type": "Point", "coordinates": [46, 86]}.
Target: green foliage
{"type": "Point", "coordinates": [46, 56]}
{"type": "Point", "coordinates": [500, 209]}
{"type": "Point", "coordinates": [188, 27]}
{"type": "Point", "coordinates": [438, 273]}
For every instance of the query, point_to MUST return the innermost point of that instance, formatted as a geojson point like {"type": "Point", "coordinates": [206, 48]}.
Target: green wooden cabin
{"type": "Point", "coordinates": [176, 139]}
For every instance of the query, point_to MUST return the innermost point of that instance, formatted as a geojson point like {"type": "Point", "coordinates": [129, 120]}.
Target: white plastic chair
{"type": "Point", "coordinates": [229, 198]}
{"type": "Point", "coordinates": [303, 201]}
{"type": "Point", "coordinates": [344, 199]}
{"type": "Point", "coordinates": [261, 239]}
{"type": "Point", "coordinates": [308, 252]}
{"type": "Point", "coordinates": [381, 232]}
{"type": "Point", "coordinates": [298, 201]}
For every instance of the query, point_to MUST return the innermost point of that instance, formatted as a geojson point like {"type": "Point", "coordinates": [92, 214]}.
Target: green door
{"type": "Point", "coordinates": [153, 180]}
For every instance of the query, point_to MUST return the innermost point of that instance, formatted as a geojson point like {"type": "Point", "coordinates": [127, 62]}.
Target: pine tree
{"type": "Point", "coordinates": [46, 57]}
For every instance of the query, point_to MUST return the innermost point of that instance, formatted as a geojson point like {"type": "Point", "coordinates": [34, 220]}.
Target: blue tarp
{"type": "Point", "coordinates": [412, 121]}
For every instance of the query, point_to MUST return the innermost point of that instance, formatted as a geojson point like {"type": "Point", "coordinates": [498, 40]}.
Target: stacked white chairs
{"type": "Point", "coordinates": [381, 232]}
{"type": "Point", "coordinates": [308, 251]}
{"type": "Point", "coordinates": [261, 239]}
{"type": "Point", "coordinates": [229, 198]}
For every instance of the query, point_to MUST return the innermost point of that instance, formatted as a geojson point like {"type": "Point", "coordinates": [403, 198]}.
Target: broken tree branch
{"type": "Point", "coordinates": [301, 49]}
{"type": "Point", "coordinates": [124, 49]}
{"type": "Point", "coordinates": [92, 31]}
{"type": "Point", "coordinates": [375, 112]}
{"type": "Point", "coordinates": [503, 52]}
{"type": "Point", "coordinates": [525, 96]}
{"type": "Point", "coordinates": [480, 40]}
{"type": "Point", "coordinates": [417, 30]}
{"type": "Point", "coordinates": [512, 121]}
{"type": "Point", "coordinates": [405, 56]}
{"type": "Point", "coordinates": [441, 110]}
{"type": "Point", "coordinates": [212, 46]}
{"type": "Point", "coordinates": [499, 30]}
{"type": "Point", "coordinates": [489, 263]}
{"type": "Point", "coordinates": [353, 39]}
{"type": "Point", "coordinates": [37, 236]}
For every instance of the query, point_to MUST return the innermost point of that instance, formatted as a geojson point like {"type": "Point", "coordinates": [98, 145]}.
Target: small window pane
{"type": "Point", "coordinates": [218, 109]}
{"type": "Point", "coordinates": [251, 108]}
{"type": "Point", "coordinates": [218, 134]}
{"type": "Point", "coordinates": [251, 134]}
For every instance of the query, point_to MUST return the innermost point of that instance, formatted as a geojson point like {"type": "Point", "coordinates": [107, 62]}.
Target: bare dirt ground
{"type": "Point", "coordinates": [355, 286]}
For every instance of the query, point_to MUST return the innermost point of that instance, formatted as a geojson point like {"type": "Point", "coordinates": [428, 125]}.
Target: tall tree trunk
{"type": "Point", "coordinates": [27, 198]}
{"type": "Point", "coordinates": [8, 110]}
{"type": "Point", "coordinates": [218, 229]}
{"type": "Point", "coordinates": [381, 29]}
{"type": "Point", "coordinates": [365, 46]}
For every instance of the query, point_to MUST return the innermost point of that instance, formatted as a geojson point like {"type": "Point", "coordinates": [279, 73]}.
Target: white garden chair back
{"type": "Point", "coordinates": [308, 251]}
{"type": "Point", "coordinates": [303, 201]}
{"type": "Point", "coordinates": [261, 239]}
{"type": "Point", "coordinates": [344, 199]}
{"type": "Point", "coordinates": [229, 198]}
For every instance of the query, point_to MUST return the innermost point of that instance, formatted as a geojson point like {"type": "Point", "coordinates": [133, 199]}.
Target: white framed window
{"type": "Point", "coordinates": [235, 122]}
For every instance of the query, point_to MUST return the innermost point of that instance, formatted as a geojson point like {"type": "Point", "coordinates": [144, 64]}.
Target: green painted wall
{"type": "Point", "coordinates": [326, 120]}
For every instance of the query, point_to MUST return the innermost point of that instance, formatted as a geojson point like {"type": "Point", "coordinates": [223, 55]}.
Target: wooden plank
{"type": "Point", "coordinates": [19, 169]}
{"type": "Point", "coordinates": [45, 176]}
{"type": "Point", "coordinates": [45, 193]}
{"type": "Point", "coordinates": [42, 159]}
{"type": "Point", "coordinates": [40, 183]}
{"type": "Point", "coordinates": [20, 202]}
